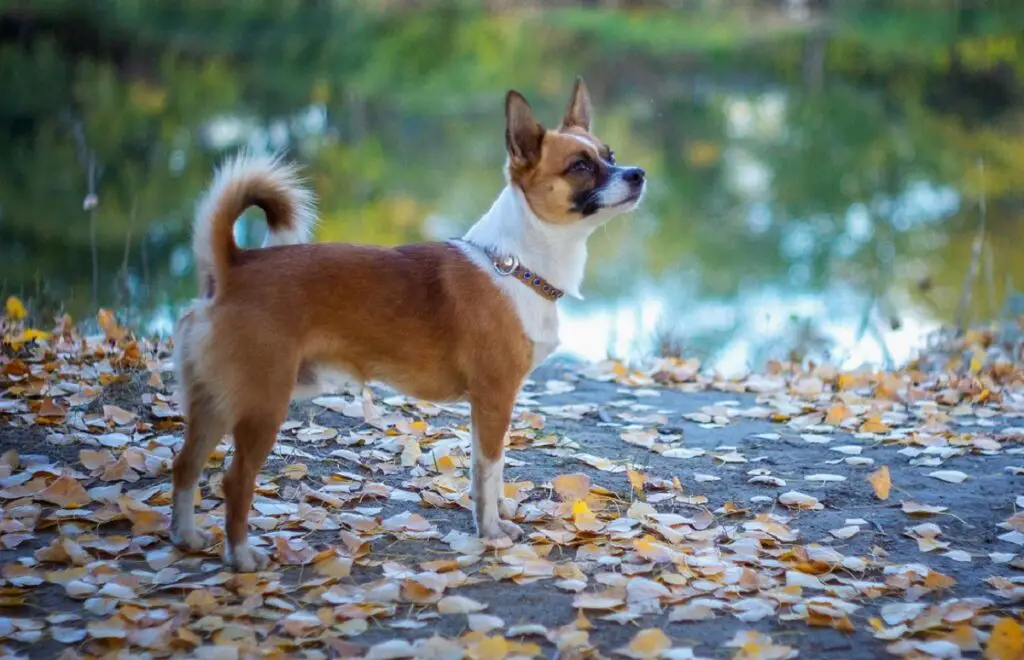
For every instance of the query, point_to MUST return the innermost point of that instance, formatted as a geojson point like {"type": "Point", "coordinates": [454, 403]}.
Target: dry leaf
{"type": "Point", "coordinates": [650, 643]}
{"type": "Point", "coordinates": [14, 309]}
{"type": "Point", "coordinates": [798, 500]}
{"type": "Point", "coordinates": [572, 487]}
{"type": "Point", "coordinates": [66, 493]}
{"type": "Point", "coordinates": [949, 476]}
{"type": "Point", "coordinates": [1006, 642]}
{"type": "Point", "coordinates": [881, 482]}
{"type": "Point", "coordinates": [459, 605]}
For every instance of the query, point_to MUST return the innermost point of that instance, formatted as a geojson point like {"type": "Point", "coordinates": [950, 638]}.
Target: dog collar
{"type": "Point", "coordinates": [509, 266]}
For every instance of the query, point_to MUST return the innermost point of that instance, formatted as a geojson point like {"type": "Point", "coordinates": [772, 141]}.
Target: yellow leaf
{"type": "Point", "coordinates": [27, 335]}
{"type": "Point", "coordinates": [977, 360]}
{"type": "Point", "coordinates": [14, 309]}
{"type": "Point", "coordinates": [648, 548]}
{"type": "Point", "coordinates": [873, 424]}
{"type": "Point", "coordinates": [445, 464]}
{"type": "Point", "coordinates": [493, 648]}
{"type": "Point", "coordinates": [108, 322]}
{"type": "Point", "coordinates": [572, 487]}
{"type": "Point", "coordinates": [336, 567]}
{"type": "Point", "coordinates": [837, 414]}
{"type": "Point", "coordinates": [1006, 642]}
{"type": "Point", "coordinates": [650, 643]}
{"type": "Point", "coordinates": [583, 518]}
{"type": "Point", "coordinates": [636, 479]}
{"type": "Point", "coordinates": [881, 482]}
{"type": "Point", "coordinates": [845, 382]}
{"type": "Point", "coordinates": [294, 471]}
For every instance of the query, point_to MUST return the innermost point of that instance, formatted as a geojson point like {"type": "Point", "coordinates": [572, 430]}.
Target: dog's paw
{"type": "Point", "coordinates": [246, 559]}
{"type": "Point", "coordinates": [501, 532]}
{"type": "Point", "coordinates": [192, 539]}
{"type": "Point", "coordinates": [511, 530]}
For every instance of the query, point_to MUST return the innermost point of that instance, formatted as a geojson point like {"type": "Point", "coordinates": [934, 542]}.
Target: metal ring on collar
{"type": "Point", "coordinates": [506, 265]}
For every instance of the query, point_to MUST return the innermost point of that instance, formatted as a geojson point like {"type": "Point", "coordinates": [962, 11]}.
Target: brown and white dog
{"type": "Point", "coordinates": [459, 320]}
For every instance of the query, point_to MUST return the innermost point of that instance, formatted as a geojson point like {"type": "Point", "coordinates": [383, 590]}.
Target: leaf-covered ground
{"type": "Point", "coordinates": [670, 514]}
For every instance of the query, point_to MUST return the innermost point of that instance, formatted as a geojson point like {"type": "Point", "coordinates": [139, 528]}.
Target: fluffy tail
{"type": "Point", "coordinates": [240, 182]}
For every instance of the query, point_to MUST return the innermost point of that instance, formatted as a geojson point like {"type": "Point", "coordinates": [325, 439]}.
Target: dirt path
{"type": "Point", "coordinates": [662, 523]}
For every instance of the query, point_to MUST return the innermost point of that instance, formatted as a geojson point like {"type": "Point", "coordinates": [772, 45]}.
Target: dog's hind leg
{"type": "Point", "coordinates": [206, 427]}
{"type": "Point", "coordinates": [255, 435]}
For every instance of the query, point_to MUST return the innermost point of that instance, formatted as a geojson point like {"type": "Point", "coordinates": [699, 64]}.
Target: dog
{"type": "Point", "coordinates": [465, 319]}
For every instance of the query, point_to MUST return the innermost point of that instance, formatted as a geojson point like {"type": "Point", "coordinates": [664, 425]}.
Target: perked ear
{"type": "Point", "coordinates": [523, 134]}
{"type": "Point", "coordinates": [578, 114]}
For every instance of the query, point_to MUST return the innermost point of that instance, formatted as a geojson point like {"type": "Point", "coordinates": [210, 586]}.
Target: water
{"type": "Point", "coordinates": [816, 179]}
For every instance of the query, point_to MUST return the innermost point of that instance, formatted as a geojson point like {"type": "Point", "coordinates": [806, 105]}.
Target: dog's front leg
{"type": "Point", "coordinates": [490, 420]}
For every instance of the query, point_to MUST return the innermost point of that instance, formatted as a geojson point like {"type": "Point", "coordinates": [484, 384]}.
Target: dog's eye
{"type": "Point", "coordinates": [611, 157]}
{"type": "Point", "coordinates": [581, 165]}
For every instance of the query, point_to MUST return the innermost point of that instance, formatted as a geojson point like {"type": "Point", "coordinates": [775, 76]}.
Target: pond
{"type": "Point", "coordinates": [823, 184]}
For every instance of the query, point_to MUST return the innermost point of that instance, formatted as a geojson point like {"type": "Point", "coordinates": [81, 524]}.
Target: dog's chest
{"type": "Point", "coordinates": [544, 334]}
{"type": "Point", "coordinates": [539, 317]}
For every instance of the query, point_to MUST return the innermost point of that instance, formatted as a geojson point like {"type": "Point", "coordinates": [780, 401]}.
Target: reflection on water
{"type": "Point", "coordinates": [816, 180]}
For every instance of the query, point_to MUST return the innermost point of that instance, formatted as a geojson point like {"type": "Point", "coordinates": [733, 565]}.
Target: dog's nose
{"type": "Point", "coordinates": [634, 175]}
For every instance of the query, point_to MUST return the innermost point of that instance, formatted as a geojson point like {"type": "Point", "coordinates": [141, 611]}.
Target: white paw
{"type": "Point", "coordinates": [502, 531]}
{"type": "Point", "coordinates": [192, 539]}
{"type": "Point", "coordinates": [511, 530]}
{"type": "Point", "coordinates": [246, 559]}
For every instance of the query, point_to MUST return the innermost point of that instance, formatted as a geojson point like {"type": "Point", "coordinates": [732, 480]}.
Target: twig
{"type": "Point", "coordinates": [990, 279]}
{"type": "Point", "coordinates": [979, 241]}
{"type": "Point", "coordinates": [87, 157]}
{"type": "Point", "coordinates": [90, 205]}
{"type": "Point", "coordinates": [125, 283]}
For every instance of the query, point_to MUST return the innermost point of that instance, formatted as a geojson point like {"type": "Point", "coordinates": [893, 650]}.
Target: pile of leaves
{"type": "Point", "coordinates": [361, 569]}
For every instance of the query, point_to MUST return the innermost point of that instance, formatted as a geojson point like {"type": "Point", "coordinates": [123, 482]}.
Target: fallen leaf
{"type": "Point", "coordinates": [650, 643]}
{"type": "Point", "coordinates": [636, 480]}
{"type": "Point", "coordinates": [66, 493]}
{"type": "Point", "coordinates": [459, 605]}
{"type": "Point", "coordinates": [14, 309]}
{"type": "Point", "coordinates": [798, 500]}
{"type": "Point", "coordinates": [571, 487]}
{"type": "Point", "coordinates": [874, 425]}
{"type": "Point", "coordinates": [949, 476]}
{"type": "Point", "coordinates": [118, 415]}
{"type": "Point", "coordinates": [1006, 642]}
{"type": "Point", "coordinates": [881, 482]}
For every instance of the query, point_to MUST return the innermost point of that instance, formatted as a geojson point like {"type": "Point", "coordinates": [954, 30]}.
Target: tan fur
{"type": "Point", "coordinates": [542, 175]}
{"type": "Point", "coordinates": [422, 318]}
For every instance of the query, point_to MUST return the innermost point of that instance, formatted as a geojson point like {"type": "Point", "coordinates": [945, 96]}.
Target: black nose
{"type": "Point", "coordinates": [634, 175]}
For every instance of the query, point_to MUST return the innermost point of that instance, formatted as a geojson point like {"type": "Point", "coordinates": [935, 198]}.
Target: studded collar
{"type": "Point", "coordinates": [509, 266]}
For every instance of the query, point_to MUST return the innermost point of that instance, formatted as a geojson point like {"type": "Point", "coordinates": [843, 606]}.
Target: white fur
{"type": "Point", "coordinates": [486, 491]}
{"type": "Point", "coordinates": [244, 558]}
{"type": "Point", "coordinates": [246, 166]}
{"type": "Point", "coordinates": [183, 521]}
{"type": "Point", "coordinates": [556, 252]}
{"type": "Point", "coordinates": [615, 192]}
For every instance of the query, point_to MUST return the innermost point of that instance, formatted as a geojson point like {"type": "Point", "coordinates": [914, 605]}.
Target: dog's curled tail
{"type": "Point", "coordinates": [240, 182]}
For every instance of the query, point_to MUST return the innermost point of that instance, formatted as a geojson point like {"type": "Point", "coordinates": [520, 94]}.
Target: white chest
{"type": "Point", "coordinates": [538, 315]}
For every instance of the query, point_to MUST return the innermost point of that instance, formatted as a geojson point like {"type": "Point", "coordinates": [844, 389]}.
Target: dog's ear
{"type": "Point", "coordinates": [579, 112]}
{"type": "Point", "coordinates": [523, 133]}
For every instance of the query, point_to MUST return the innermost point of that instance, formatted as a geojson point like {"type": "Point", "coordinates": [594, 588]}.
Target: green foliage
{"type": "Point", "coordinates": [413, 131]}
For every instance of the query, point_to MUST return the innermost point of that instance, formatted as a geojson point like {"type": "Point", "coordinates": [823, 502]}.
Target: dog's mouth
{"type": "Point", "coordinates": [631, 199]}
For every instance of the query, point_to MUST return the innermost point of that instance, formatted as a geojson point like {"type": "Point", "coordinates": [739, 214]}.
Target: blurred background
{"type": "Point", "coordinates": [827, 179]}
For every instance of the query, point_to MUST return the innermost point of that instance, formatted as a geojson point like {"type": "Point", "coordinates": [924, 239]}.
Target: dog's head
{"type": "Point", "coordinates": [568, 175]}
